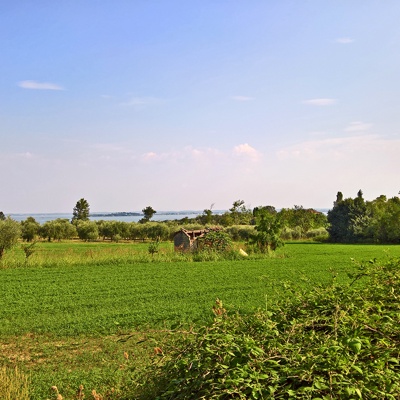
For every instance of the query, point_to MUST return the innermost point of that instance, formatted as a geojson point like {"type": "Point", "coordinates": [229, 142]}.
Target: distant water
{"type": "Point", "coordinates": [159, 216]}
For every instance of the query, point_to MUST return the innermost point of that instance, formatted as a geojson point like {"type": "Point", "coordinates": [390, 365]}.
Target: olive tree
{"type": "Point", "coordinates": [30, 228]}
{"type": "Point", "coordinates": [57, 229]}
{"type": "Point", "coordinates": [10, 231]}
{"type": "Point", "coordinates": [87, 230]}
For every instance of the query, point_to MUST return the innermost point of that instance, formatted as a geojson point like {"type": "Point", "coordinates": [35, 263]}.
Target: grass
{"type": "Point", "coordinates": [13, 384]}
{"type": "Point", "coordinates": [68, 313]}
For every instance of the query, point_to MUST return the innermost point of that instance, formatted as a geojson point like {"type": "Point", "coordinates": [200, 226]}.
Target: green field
{"type": "Point", "coordinates": [64, 312]}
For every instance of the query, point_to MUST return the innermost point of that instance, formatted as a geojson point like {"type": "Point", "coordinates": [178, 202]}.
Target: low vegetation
{"type": "Point", "coordinates": [100, 318]}
{"type": "Point", "coordinates": [14, 384]}
{"type": "Point", "coordinates": [336, 342]}
{"type": "Point", "coordinates": [108, 310]}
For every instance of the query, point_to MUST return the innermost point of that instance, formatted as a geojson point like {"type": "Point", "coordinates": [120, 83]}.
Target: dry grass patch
{"type": "Point", "coordinates": [14, 384]}
{"type": "Point", "coordinates": [98, 368]}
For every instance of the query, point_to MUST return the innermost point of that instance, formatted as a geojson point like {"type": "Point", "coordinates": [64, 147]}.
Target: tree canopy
{"type": "Point", "coordinates": [148, 213]}
{"type": "Point", "coordinates": [356, 220]}
{"type": "Point", "coordinates": [81, 211]}
{"type": "Point", "coordinates": [10, 232]}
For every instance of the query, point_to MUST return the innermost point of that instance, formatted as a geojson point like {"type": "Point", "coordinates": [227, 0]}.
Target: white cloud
{"type": "Point", "coordinates": [358, 126]}
{"type": "Point", "coordinates": [245, 150]}
{"type": "Point", "coordinates": [151, 155]}
{"type": "Point", "coordinates": [349, 149]}
{"type": "Point", "coordinates": [344, 40]}
{"type": "Point", "coordinates": [242, 98]}
{"type": "Point", "coordinates": [39, 85]}
{"type": "Point", "coordinates": [320, 102]}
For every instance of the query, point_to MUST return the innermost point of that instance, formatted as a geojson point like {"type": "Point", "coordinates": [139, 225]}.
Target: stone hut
{"type": "Point", "coordinates": [185, 240]}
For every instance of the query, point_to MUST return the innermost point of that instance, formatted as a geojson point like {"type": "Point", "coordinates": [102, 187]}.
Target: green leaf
{"type": "Point", "coordinates": [358, 369]}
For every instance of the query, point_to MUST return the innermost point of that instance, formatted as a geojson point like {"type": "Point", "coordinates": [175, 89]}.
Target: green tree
{"type": "Point", "coordinates": [30, 228]}
{"type": "Point", "coordinates": [266, 236]}
{"type": "Point", "coordinates": [349, 219]}
{"type": "Point", "coordinates": [384, 226]}
{"type": "Point", "coordinates": [148, 213]}
{"type": "Point", "coordinates": [10, 232]}
{"type": "Point", "coordinates": [339, 218]}
{"type": "Point", "coordinates": [238, 214]}
{"type": "Point", "coordinates": [81, 211]}
{"type": "Point", "coordinates": [301, 220]}
{"type": "Point", "coordinates": [207, 216]}
{"type": "Point", "coordinates": [157, 231]}
{"type": "Point", "coordinates": [57, 229]}
{"type": "Point", "coordinates": [137, 231]}
{"type": "Point", "coordinates": [87, 230]}
{"type": "Point", "coordinates": [113, 230]}
{"type": "Point", "coordinates": [2, 216]}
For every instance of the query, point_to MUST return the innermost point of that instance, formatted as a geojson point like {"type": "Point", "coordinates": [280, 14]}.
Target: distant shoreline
{"type": "Point", "coordinates": [126, 216]}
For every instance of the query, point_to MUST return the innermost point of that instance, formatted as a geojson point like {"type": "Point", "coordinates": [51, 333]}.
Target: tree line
{"type": "Point", "coordinates": [351, 220]}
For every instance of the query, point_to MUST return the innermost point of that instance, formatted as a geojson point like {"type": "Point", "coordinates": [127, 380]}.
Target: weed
{"type": "Point", "coordinates": [13, 384]}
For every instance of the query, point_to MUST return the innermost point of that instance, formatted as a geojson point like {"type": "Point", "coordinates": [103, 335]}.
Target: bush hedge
{"type": "Point", "coordinates": [337, 342]}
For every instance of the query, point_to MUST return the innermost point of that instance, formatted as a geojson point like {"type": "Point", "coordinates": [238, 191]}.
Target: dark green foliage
{"type": "Point", "coordinates": [148, 213]}
{"type": "Point", "coordinates": [267, 233]}
{"type": "Point", "coordinates": [349, 219]}
{"type": "Point", "coordinates": [2, 216]}
{"type": "Point", "coordinates": [336, 342]}
{"type": "Point", "coordinates": [216, 241]}
{"type": "Point", "coordinates": [81, 211]}
{"type": "Point", "coordinates": [357, 220]}
{"type": "Point", "coordinates": [339, 218]}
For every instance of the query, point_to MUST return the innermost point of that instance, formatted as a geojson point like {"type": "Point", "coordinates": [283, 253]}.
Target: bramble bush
{"type": "Point", "coordinates": [337, 342]}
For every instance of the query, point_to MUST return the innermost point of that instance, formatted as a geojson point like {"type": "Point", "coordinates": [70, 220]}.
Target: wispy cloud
{"type": "Point", "coordinates": [242, 98]}
{"type": "Point", "coordinates": [39, 85]}
{"type": "Point", "coordinates": [151, 155]}
{"type": "Point", "coordinates": [344, 40]}
{"type": "Point", "coordinates": [245, 150]}
{"type": "Point", "coordinates": [320, 102]}
{"type": "Point", "coordinates": [358, 126]}
{"type": "Point", "coordinates": [344, 148]}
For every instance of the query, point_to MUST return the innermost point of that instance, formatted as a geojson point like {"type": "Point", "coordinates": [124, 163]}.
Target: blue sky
{"type": "Point", "coordinates": [181, 104]}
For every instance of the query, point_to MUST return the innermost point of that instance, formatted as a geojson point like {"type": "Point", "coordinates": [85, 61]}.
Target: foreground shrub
{"type": "Point", "coordinates": [215, 241]}
{"type": "Point", "coordinates": [338, 342]}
